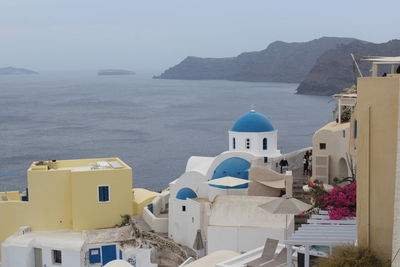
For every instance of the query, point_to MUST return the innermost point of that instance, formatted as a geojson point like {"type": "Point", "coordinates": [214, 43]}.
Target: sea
{"type": "Point", "coordinates": [153, 125]}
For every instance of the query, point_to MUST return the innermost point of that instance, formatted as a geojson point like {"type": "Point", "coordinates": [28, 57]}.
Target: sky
{"type": "Point", "coordinates": [151, 36]}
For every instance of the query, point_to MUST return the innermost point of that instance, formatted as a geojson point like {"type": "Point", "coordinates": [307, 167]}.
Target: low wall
{"type": "Point", "coordinates": [157, 224]}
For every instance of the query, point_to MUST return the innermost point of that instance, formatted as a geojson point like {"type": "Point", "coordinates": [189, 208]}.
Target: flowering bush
{"type": "Point", "coordinates": [340, 202]}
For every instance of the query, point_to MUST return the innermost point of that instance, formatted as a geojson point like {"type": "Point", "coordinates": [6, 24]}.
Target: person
{"type": "Point", "coordinates": [284, 165]}
{"type": "Point", "coordinates": [305, 165]}
{"type": "Point", "coordinates": [384, 74]}
{"type": "Point", "coordinates": [309, 166]}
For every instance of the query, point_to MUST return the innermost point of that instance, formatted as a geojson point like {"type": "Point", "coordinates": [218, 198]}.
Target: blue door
{"type": "Point", "coordinates": [108, 253]}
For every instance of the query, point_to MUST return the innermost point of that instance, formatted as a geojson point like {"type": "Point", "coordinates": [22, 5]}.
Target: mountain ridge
{"type": "Point", "coordinates": [278, 62]}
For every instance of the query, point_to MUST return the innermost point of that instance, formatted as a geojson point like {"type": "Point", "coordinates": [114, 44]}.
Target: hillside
{"type": "Point", "coordinates": [333, 70]}
{"type": "Point", "coordinates": [279, 62]}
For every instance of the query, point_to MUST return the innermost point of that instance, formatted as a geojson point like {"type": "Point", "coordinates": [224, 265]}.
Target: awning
{"type": "Point", "coordinates": [228, 181]}
{"type": "Point", "coordinates": [273, 183]}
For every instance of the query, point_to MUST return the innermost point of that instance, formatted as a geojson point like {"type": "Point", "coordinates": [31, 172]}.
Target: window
{"type": "Point", "coordinates": [56, 256]}
{"type": "Point", "coordinates": [183, 208]}
{"type": "Point", "coordinates": [265, 144]}
{"type": "Point", "coordinates": [234, 143]}
{"type": "Point", "coordinates": [94, 255]}
{"type": "Point", "coordinates": [248, 143]}
{"type": "Point", "coordinates": [322, 146]}
{"type": "Point", "coordinates": [355, 128]}
{"type": "Point", "coordinates": [104, 193]}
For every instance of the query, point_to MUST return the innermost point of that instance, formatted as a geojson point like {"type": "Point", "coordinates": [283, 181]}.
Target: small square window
{"type": "Point", "coordinates": [104, 193]}
{"type": "Point", "coordinates": [94, 255]}
{"type": "Point", "coordinates": [322, 146]}
{"type": "Point", "coordinates": [183, 208]}
{"type": "Point", "coordinates": [56, 254]}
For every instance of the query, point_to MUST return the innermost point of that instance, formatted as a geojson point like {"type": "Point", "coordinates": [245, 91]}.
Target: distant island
{"type": "Point", "coordinates": [279, 62]}
{"type": "Point", "coordinates": [15, 71]}
{"type": "Point", "coordinates": [115, 72]}
{"type": "Point", "coordinates": [321, 67]}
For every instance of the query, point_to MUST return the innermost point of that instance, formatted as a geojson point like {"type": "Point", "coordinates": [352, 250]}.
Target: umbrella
{"type": "Point", "coordinates": [285, 205]}
{"type": "Point", "coordinates": [198, 242]}
{"type": "Point", "coordinates": [228, 181]}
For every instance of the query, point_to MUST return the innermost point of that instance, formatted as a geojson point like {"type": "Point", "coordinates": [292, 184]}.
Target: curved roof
{"type": "Point", "coordinates": [253, 122]}
{"type": "Point", "coordinates": [118, 263]}
{"type": "Point", "coordinates": [185, 193]}
{"type": "Point", "coordinates": [234, 167]}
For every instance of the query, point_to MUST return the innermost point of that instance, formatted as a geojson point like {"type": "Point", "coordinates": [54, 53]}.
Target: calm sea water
{"type": "Point", "coordinates": [153, 125]}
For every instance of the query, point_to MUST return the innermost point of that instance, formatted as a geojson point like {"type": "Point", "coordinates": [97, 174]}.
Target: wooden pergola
{"type": "Point", "coordinates": [320, 231]}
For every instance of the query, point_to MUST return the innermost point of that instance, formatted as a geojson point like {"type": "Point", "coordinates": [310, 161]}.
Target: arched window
{"type": "Point", "coordinates": [265, 144]}
{"type": "Point", "coordinates": [248, 143]}
{"type": "Point", "coordinates": [234, 143]}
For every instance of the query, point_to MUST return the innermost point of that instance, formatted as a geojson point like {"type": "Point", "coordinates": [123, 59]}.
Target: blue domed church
{"type": "Point", "coordinates": [252, 141]}
{"type": "Point", "coordinates": [253, 133]}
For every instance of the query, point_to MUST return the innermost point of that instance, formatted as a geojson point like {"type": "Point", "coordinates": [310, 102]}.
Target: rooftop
{"type": "Point", "coordinates": [79, 165]}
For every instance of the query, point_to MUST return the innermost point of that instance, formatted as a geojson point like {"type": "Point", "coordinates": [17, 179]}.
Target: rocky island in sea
{"type": "Point", "coordinates": [15, 71]}
{"type": "Point", "coordinates": [115, 72]}
{"type": "Point", "coordinates": [321, 67]}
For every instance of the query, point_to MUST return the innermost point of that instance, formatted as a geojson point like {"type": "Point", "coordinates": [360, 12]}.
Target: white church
{"type": "Point", "coordinates": [208, 215]}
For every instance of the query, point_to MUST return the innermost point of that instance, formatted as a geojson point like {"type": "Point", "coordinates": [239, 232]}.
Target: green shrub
{"type": "Point", "coordinates": [346, 256]}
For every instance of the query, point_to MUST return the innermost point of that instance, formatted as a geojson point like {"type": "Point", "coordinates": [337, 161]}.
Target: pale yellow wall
{"type": "Point", "coordinates": [50, 199]}
{"type": "Point", "coordinates": [87, 212]}
{"type": "Point", "coordinates": [13, 214]}
{"type": "Point", "coordinates": [337, 145]}
{"type": "Point", "coordinates": [67, 199]}
{"type": "Point", "coordinates": [376, 113]}
{"type": "Point", "coordinates": [141, 198]}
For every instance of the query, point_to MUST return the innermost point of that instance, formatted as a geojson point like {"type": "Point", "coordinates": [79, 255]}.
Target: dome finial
{"type": "Point", "coordinates": [253, 107]}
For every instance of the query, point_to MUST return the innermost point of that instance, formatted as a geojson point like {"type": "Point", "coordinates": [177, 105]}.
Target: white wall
{"type": "Point", "coordinates": [158, 224]}
{"type": "Point", "coordinates": [239, 239]}
{"type": "Point", "coordinates": [183, 225]}
{"type": "Point", "coordinates": [21, 256]}
{"type": "Point", "coordinates": [256, 143]}
{"type": "Point", "coordinates": [17, 256]}
{"type": "Point", "coordinates": [70, 258]}
{"type": "Point", "coordinates": [140, 256]}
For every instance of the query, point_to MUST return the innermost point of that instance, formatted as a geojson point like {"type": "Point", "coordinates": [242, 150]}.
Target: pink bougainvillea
{"type": "Point", "coordinates": [340, 202]}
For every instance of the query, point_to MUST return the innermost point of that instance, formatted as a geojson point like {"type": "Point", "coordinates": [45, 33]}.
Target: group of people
{"type": "Point", "coordinates": [307, 163]}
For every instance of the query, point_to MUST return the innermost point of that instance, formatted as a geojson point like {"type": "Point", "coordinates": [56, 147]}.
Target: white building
{"type": "Point", "coordinates": [89, 248]}
{"type": "Point", "coordinates": [228, 217]}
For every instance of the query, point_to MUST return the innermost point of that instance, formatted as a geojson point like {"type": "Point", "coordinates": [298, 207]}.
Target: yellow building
{"type": "Point", "coordinates": [72, 194]}
{"type": "Point", "coordinates": [374, 137]}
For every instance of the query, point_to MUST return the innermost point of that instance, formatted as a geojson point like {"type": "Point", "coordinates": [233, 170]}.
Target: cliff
{"type": "Point", "coordinates": [333, 70]}
{"type": "Point", "coordinates": [279, 62]}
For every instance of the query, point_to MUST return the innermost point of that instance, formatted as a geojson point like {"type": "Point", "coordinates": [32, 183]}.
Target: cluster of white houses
{"type": "Point", "coordinates": [214, 205]}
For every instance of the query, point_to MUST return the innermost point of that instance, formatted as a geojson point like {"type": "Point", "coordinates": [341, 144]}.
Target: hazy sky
{"type": "Point", "coordinates": [153, 35]}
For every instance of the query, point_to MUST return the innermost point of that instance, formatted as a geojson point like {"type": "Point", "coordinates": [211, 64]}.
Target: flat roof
{"type": "Point", "coordinates": [62, 239]}
{"type": "Point", "coordinates": [213, 258]}
{"type": "Point", "coordinates": [77, 165]}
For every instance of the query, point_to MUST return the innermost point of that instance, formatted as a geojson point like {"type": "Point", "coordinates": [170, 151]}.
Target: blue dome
{"type": "Point", "coordinates": [185, 193]}
{"type": "Point", "coordinates": [253, 122]}
{"type": "Point", "coordinates": [234, 167]}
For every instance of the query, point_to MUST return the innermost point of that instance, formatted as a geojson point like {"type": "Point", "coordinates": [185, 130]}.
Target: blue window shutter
{"type": "Point", "coordinates": [94, 255]}
{"type": "Point", "coordinates": [101, 194]}
{"type": "Point", "coordinates": [106, 193]}
{"type": "Point", "coordinates": [355, 129]}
